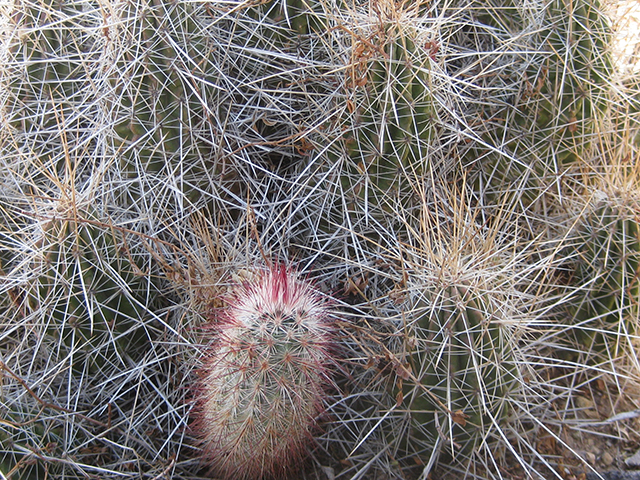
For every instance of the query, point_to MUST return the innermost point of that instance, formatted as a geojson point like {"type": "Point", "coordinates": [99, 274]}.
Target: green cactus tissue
{"type": "Point", "coordinates": [606, 249]}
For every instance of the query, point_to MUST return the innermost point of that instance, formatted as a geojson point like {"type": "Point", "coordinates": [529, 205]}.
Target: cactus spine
{"type": "Point", "coordinates": [263, 384]}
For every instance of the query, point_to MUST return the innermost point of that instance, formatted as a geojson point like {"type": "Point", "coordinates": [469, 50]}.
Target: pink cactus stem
{"type": "Point", "coordinates": [263, 384]}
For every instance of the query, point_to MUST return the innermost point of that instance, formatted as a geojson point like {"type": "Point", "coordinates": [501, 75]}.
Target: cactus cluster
{"type": "Point", "coordinates": [428, 165]}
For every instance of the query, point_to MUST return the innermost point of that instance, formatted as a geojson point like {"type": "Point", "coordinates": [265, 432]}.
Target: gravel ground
{"type": "Point", "coordinates": [614, 476]}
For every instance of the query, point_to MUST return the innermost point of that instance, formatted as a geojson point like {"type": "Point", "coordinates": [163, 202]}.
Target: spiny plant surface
{"type": "Point", "coordinates": [459, 365]}
{"type": "Point", "coordinates": [414, 82]}
{"type": "Point", "coordinates": [601, 259]}
{"type": "Point", "coordinates": [466, 310]}
{"type": "Point", "coordinates": [565, 84]}
{"type": "Point", "coordinates": [77, 319]}
{"type": "Point", "coordinates": [177, 140]}
{"type": "Point", "coordinates": [390, 120]}
{"type": "Point", "coordinates": [608, 267]}
{"type": "Point", "coordinates": [264, 381]}
{"type": "Point", "coordinates": [81, 339]}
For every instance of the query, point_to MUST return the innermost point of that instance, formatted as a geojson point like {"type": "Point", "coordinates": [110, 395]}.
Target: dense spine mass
{"type": "Point", "coordinates": [263, 384]}
{"type": "Point", "coordinates": [89, 288]}
{"type": "Point", "coordinates": [607, 265]}
{"type": "Point", "coordinates": [433, 161]}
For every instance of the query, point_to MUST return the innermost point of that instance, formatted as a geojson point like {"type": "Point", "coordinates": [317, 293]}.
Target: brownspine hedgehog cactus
{"type": "Point", "coordinates": [262, 385]}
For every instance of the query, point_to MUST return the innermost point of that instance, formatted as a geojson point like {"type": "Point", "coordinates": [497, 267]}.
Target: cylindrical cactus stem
{"type": "Point", "coordinates": [48, 99]}
{"type": "Point", "coordinates": [47, 56]}
{"type": "Point", "coordinates": [73, 283]}
{"type": "Point", "coordinates": [159, 102]}
{"type": "Point", "coordinates": [569, 91]}
{"type": "Point", "coordinates": [89, 292]}
{"type": "Point", "coordinates": [607, 250]}
{"type": "Point", "coordinates": [264, 381]}
{"type": "Point", "coordinates": [458, 370]}
{"type": "Point", "coordinates": [565, 92]}
{"type": "Point", "coordinates": [392, 120]}
{"type": "Point", "coordinates": [164, 76]}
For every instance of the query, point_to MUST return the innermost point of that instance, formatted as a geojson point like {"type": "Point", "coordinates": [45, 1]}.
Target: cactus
{"type": "Point", "coordinates": [607, 262]}
{"type": "Point", "coordinates": [569, 93]}
{"type": "Point", "coordinates": [458, 354]}
{"type": "Point", "coordinates": [560, 109]}
{"type": "Point", "coordinates": [263, 383]}
{"type": "Point", "coordinates": [390, 121]}
{"type": "Point", "coordinates": [160, 73]}
{"type": "Point", "coordinates": [457, 383]}
{"type": "Point", "coordinates": [78, 303]}
{"type": "Point", "coordinates": [88, 288]}
{"type": "Point", "coordinates": [77, 313]}
{"type": "Point", "coordinates": [290, 20]}
{"type": "Point", "coordinates": [49, 109]}
{"type": "Point", "coordinates": [46, 78]}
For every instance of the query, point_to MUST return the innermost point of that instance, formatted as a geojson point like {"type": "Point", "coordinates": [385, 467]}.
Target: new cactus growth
{"type": "Point", "coordinates": [263, 384]}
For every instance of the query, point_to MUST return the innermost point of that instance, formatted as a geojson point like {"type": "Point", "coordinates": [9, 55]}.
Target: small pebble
{"type": "Point", "coordinates": [587, 406]}
{"type": "Point", "coordinates": [584, 402]}
{"type": "Point", "coordinates": [634, 461]}
{"type": "Point", "coordinates": [590, 458]}
{"type": "Point", "coordinates": [329, 472]}
{"type": "Point", "coordinates": [607, 459]}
